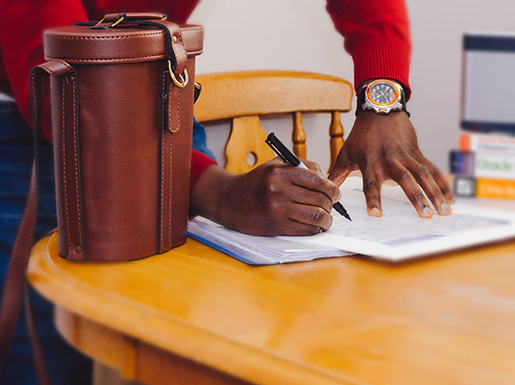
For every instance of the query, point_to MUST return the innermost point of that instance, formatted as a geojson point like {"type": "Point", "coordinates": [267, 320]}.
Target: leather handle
{"type": "Point", "coordinates": [15, 280]}
{"type": "Point", "coordinates": [111, 20]}
{"type": "Point", "coordinates": [131, 16]}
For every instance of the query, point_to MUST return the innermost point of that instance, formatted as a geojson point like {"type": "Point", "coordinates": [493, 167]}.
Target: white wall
{"type": "Point", "coordinates": [299, 35]}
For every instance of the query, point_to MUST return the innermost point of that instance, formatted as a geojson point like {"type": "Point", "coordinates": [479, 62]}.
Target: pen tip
{"type": "Point", "coordinates": [339, 207]}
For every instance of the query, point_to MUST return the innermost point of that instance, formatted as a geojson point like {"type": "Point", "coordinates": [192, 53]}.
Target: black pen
{"type": "Point", "coordinates": [289, 157]}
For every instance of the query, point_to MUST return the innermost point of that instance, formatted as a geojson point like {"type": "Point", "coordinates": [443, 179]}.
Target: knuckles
{"type": "Point", "coordinates": [322, 218]}
{"type": "Point", "coordinates": [318, 216]}
{"type": "Point", "coordinates": [418, 196]}
{"type": "Point", "coordinates": [423, 172]}
{"type": "Point", "coordinates": [312, 230]}
{"type": "Point", "coordinates": [276, 190]}
{"type": "Point", "coordinates": [322, 201]}
{"type": "Point", "coordinates": [370, 183]}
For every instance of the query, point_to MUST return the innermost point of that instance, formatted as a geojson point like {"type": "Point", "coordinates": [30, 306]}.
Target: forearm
{"type": "Point", "coordinates": [211, 194]}
{"type": "Point", "coordinates": [377, 36]}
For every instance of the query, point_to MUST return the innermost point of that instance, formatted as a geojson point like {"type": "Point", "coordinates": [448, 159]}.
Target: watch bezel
{"type": "Point", "coordinates": [388, 105]}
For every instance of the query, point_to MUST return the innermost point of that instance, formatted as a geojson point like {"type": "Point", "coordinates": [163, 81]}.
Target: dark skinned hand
{"type": "Point", "coordinates": [385, 147]}
{"type": "Point", "coordinates": [272, 199]}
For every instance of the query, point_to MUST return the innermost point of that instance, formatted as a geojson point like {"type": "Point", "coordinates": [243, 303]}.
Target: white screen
{"type": "Point", "coordinates": [489, 89]}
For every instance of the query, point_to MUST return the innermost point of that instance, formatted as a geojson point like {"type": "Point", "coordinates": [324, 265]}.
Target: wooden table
{"type": "Point", "coordinates": [196, 316]}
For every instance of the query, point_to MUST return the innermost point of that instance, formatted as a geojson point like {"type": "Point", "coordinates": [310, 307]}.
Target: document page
{"type": "Point", "coordinates": [400, 233]}
{"type": "Point", "coordinates": [397, 235]}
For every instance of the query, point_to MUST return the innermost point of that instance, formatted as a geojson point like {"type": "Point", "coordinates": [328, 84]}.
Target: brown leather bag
{"type": "Point", "coordinates": [122, 95]}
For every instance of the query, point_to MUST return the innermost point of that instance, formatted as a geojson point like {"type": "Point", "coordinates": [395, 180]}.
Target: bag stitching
{"type": "Point", "coordinates": [171, 158]}
{"type": "Point", "coordinates": [112, 59]}
{"type": "Point", "coordinates": [163, 130]}
{"type": "Point", "coordinates": [65, 177]}
{"type": "Point", "coordinates": [116, 59]}
{"type": "Point", "coordinates": [170, 171]}
{"type": "Point", "coordinates": [76, 160]}
{"type": "Point", "coordinates": [150, 34]}
{"type": "Point", "coordinates": [192, 29]}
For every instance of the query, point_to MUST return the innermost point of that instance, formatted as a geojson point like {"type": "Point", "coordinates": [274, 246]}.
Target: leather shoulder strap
{"type": "Point", "coordinates": [15, 280]}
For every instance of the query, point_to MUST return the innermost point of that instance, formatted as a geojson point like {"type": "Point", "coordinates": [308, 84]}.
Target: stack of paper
{"type": "Point", "coordinates": [397, 235]}
{"type": "Point", "coordinates": [257, 250]}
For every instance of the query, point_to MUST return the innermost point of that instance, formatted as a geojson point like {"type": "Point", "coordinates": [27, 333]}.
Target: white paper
{"type": "Point", "coordinates": [401, 234]}
{"type": "Point", "coordinates": [397, 235]}
{"type": "Point", "coordinates": [257, 250]}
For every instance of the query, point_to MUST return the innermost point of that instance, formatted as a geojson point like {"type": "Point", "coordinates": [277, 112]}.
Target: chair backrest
{"type": "Point", "coordinates": [244, 96]}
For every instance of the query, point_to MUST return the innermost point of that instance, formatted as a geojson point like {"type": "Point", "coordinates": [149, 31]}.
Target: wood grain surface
{"type": "Point", "coordinates": [196, 316]}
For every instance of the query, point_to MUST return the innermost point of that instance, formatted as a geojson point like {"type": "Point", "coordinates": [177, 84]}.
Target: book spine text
{"type": "Point", "coordinates": [481, 164]}
{"type": "Point", "coordinates": [487, 143]}
{"type": "Point", "coordinates": [484, 188]}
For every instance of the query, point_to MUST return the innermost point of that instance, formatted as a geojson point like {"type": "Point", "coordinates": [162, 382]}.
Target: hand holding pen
{"type": "Point", "coordinates": [288, 157]}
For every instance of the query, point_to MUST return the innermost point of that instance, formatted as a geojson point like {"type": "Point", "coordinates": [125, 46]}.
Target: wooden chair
{"type": "Point", "coordinates": [246, 95]}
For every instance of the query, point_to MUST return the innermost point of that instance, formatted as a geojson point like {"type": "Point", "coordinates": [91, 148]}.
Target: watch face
{"type": "Point", "coordinates": [382, 93]}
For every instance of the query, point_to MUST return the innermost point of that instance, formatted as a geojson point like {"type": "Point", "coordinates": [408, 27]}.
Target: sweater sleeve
{"type": "Point", "coordinates": [199, 164]}
{"type": "Point", "coordinates": [22, 24]}
{"type": "Point", "coordinates": [377, 36]}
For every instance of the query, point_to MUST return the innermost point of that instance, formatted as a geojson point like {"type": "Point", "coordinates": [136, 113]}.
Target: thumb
{"type": "Point", "coordinates": [341, 169]}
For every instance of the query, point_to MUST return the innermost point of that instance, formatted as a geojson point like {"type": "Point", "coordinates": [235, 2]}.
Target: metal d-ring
{"type": "Point", "coordinates": [182, 81]}
{"type": "Point", "coordinates": [121, 17]}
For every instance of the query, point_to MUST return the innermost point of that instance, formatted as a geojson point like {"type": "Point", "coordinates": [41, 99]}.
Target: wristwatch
{"type": "Point", "coordinates": [382, 96]}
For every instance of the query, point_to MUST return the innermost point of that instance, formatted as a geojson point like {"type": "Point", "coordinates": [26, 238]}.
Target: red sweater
{"type": "Point", "coordinates": [376, 35]}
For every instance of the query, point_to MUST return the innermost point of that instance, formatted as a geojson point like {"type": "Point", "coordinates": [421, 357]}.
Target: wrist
{"type": "Point", "coordinates": [382, 117]}
{"type": "Point", "coordinates": [209, 194]}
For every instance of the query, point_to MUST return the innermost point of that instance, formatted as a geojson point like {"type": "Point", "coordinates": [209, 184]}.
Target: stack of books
{"type": "Point", "coordinates": [484, 164]}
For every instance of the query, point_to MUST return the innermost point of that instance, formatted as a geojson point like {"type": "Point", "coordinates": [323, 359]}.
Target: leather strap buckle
{"type": "Point", "coordinates": [182, 81]}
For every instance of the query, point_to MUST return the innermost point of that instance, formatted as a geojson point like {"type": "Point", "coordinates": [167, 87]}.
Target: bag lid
{"type": "Point", "coordinates": [127, 43]}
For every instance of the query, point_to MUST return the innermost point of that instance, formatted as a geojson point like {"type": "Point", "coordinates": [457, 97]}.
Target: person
{"type": "Point", "coordinates": [382, 146]}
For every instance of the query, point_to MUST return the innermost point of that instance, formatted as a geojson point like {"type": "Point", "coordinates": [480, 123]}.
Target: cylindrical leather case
{"type": "Point", "coordinates": [122, 131]}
